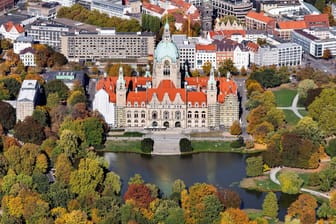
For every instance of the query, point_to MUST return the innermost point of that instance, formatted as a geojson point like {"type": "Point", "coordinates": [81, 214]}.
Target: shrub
{"type": "Point", "coordinates": [331, 148]}
{"type": "Point", "coordinates": [249, 144]}
{"type": "Point", "coordinates": [147, 145]}
{"type": "Point", "coordinates": [237, 143]}
{"type": "Point", "coordinates": [185, 145]}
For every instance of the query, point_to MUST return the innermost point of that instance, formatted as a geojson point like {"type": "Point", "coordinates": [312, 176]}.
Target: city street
{"type": "Point", "coordinates": [243, 98]}
{"type": "Point", "coordinates": [328, 66]}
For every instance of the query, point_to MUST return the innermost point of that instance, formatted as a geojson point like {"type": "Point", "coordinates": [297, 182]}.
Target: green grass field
{"type": "Point", "coordinates": [123, 146]}
{"type": "Point", "coordinates": [291, 118]}
{"type": "Point", "coordinates": [216, 146]}
{"type": "Point", "coordinates": [303, 112]}
{"type": "Point", "coordinates": [284, 97]}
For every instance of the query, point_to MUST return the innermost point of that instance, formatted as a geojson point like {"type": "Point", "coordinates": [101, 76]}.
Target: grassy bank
{"type": "Point", "coordinates": [291, 118]}
{"type": "Point", "coordinates": [262, 183]}
{"type": "Point", "coordinates": [123, 146]}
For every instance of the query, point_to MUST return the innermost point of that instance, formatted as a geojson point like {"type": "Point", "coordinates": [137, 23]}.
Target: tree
{"type": "Point", "coordinates": [112, 184]}
{"type": "Point", "coordinates": [42, 164]}
{"type": "Point", "coordinates": [40, 182]}
{"type": "Point", "coordinates": [113, 70]}
{"type": "Point", "coordinates": [235, 128]}
{"type": "Point", "coordinates": [4, 93]}
{"type": "Point", "coordinates": [270, 205]}
{"type": "Point", "coordinates": [6, 44]}
{"type": "Point", "coordinates": [206, 67]}
{"type": "Point", "coordinates": [254, 166]}
{"type": "Point", "coordinates": [29, 130]}
{"type": "Point", "coordinates": [243, 71]}
{"type": "Point", "coordinates": [304, 86]}
{"type": "Point", "coordinates": [229, 198]}
{"type": "Point", "coordinates": [93, 131]}
{"type": "Point", "coordinates": [57, 86]}
{"type": "Point", "coordinates": [234, 216]}
{"type": "Point", "coordinates": [185, 145]}
{"type": "Point", "coordinates": [136, 179]}
{"type": "Point", "coordinates": [178, 185]}
{"type": "Point", "coordinates": [7, 116]}
{"type": "Point", "coordinates": [325, 117]}
{"type": "Point", "coordinates": [147, 145]}
{"type": "Point", "coordinates": [261, 130]}
{"type": "Point", "coordinates": [88, 176]}
{"type": "Point", "coordinates": [140, 194]}
{"type": "Point", "coordinates": [290, 182]}
{"type": "Point", "coordinates": [326, 54]}
{"type": "Point", "coordinates": [63, 168]}
{"type": "Point", "coordinates": [227, 66]}
{"type": "Point", "coordinates": [41, 115]}
{"type": "Point", "coordinates": [69, 143]}
{"type": "Point", "coordinates": [13, 86]}
{"type": "Point", "coordinates": [76, 97]}
{"type": "Point", "coordinates": [304, 209]}
{"type": "Point", "coordinates": [212, 209]}
{"type": "Point", "coordinates": [53, 100]}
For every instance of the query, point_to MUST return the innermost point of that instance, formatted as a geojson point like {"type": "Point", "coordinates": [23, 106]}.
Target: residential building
{"type": "Point", "coordinates": [259, 21]}
{"type": "Point", "coordinates": [22, 43]}
{"type": "Point", "coordinates": [6, 4]}
{"type": "Point", "coordinates": [27, 99]}
{"type": "Point", "coordinates": [254, 35]}
{"type": "Point", "coordinates": [187, 49]}
{"type": "Point", "coordinates": [266, 56]}
{"type": "Point", "coordinates": [317, 21]}
{"type": "Point", "coordinates": [153, 10]}
{"type": "Point", "coordinates": [312, 44]}
{"type": "Point", "coordinates": [49, 31]}
{"type": "Point", "coordinates": [43, 10]}
{"type": "Point", "coordinates": [221, 24]}
{"type": "Point", "coordinates": [27, 56]}
{"type": "Point", "coordinates": [284, 54]}
{"type": "Point", "coordinates": [289, 54]}
{"type": "Point", "coordinates": [285, 28]}
{"type": "Point", "coordinates": [205, 53]}
{"type": "Point", "coordinates": [267, 5]}
{"type": "Point", "coordinates": [235, 35]}
{"type": "Point", "coordinates": [11, 31]}
{"type": "Point", "coordinates": [67, 77]}
{"type": "Point", "coordinates": [237, 8]}
{"type": "Point", "coordinates": [66, 3]}
{"type": "Point", "coordinates": [225, 50]}
{"type": "Point", "coordinates": [111, 8]}
{"type": "Point", "coordinates": [107, 44]}
{"type": "Point", "coordinates": [164, 100]}
{"type": "Point", "coordinates": [241, 57]}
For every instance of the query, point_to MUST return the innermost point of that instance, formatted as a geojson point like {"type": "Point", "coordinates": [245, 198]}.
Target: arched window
{"type": "Point", "coordinates": [128, 115]}
{"type": "Point", "coordinates": [177, 115]}
{"type": "Point", "coordinates": [154, 115]}
{"type": "Point", "coordinates": [165, 115]}
{"type": "Point", "coordinates": [203, 114]}
{"type": "Point", "coordinates": [189, 114]}
{"type": "Point", "coordinates": [136, 115]}
{"type": "Point", "coordinates": [166, 68]}
{"type": "Point", "coordinates": [196, 114]}
{"type": "Point", "coordinates": [143, 114]}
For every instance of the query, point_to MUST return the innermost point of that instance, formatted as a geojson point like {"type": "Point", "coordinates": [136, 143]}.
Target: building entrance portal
{"type": "Point", "coordinates": [178, 124]}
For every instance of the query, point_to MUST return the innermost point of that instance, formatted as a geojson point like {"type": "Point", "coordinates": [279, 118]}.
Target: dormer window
{"type": "Point", "coordinates": [136, 104]}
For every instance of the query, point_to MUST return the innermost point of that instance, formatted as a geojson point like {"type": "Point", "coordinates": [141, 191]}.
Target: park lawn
{"type": "Point", "coordinates": [267, 185]}
{"type": "Point", "coordinates": [284, 97]}
{"type": "Point", "coordinates": [291, 118]}
{"type": "Point", "coordinates": [212, 146]}
{"type": "Point", "coordinates": [123, 146]}
{"type": "Point", "coordinates": [303, 112]}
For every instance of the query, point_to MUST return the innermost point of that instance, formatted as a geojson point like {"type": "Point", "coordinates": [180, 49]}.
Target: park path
{"type": "Point", "coordinates": [294, 107]}
{"type": "Point", "coordinates": [275, 180]}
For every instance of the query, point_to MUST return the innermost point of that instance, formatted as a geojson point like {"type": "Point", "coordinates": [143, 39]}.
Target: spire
{"type": "Point", "coordinates": [212, 81]}
{"type": "Point", "coordinates": [147, 74]}
{"type": "Point", "coordinates": [228, 75]}
{"type": "Point", "coordinates": [166, 31]}
{"type": "Point", "coordinates": [121, 81]}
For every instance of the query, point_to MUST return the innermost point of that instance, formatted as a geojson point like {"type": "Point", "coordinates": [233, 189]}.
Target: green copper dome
{"type": "Point", "coordinates": [166, 49]}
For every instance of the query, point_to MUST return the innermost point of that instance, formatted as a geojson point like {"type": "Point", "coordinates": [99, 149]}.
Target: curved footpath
{"type": "Point", "coordinates": [294, 107]}
{"type": "Point", "coordinates": [275, 180]}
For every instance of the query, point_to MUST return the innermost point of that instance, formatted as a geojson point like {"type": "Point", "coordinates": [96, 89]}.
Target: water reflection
{"type": "Point", "coordinates": [224, 170]}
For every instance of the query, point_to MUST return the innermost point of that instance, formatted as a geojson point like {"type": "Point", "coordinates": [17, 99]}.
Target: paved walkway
{"type": "Point", "coordinates": [294, 107]}
{"type": "Point", "coordinates": [274, 179]}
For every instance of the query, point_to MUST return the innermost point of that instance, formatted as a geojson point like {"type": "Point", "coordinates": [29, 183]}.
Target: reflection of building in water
{"type": "Point", "coordinates": [167, 99]}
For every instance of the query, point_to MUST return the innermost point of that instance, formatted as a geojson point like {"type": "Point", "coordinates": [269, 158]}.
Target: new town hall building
{"type": "Point", "coordinates": [167, 99]}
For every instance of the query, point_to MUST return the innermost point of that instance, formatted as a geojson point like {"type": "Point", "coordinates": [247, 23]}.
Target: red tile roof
{"type": "Point", "coordinates": [252, 46]}
{"type": "Point", "coordinates": [9, 25]}
{"type": "Point", "coordinates": [226, 87]}
{"type": "Point", "coordinates": [287, 25]}
{"type": "Point", "coordinates": [259, 16]}
{"type": "Point", "coordinates": [227, 33]}
{"type": "Point", "coordinates": [321, 20]}
{"type": "Point", "coordinates": [152, 7]}
{"type": "Point", "coordinates": [208, 47]}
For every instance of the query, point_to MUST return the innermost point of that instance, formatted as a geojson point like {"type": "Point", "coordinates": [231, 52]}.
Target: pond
{"type": "Point", "coordinates": [224, 170]}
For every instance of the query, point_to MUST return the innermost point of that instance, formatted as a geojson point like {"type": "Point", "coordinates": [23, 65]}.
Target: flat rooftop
{"type": "Point", "coordinates": [15, 18]}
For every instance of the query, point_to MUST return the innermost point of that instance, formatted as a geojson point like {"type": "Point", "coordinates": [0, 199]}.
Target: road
{"type": "Point", "coordinates": [243, 113]}
{"type": "Point", "coordinates": [328, 66]}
